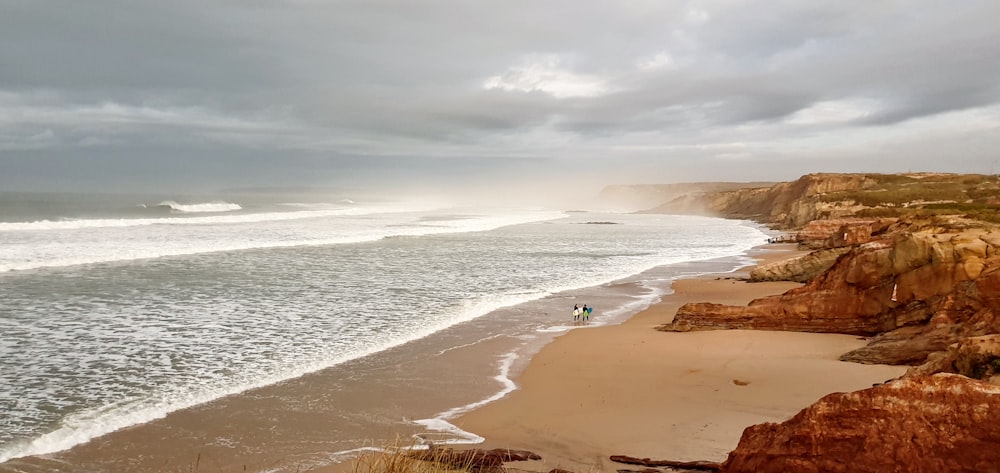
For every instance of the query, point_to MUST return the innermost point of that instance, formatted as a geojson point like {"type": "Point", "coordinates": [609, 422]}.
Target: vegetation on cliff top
{"type": "Point", "coordinates": [791, 205]}
{"type": "Point", "coordinates": [973, 196]}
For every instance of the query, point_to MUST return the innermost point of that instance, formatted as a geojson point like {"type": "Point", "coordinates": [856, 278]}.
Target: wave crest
{"type": "Point", "coordinates": [203, 207]}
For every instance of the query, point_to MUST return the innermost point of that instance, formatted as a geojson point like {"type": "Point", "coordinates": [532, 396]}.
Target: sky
{"type": "Point", "coordinates": [138, 94]}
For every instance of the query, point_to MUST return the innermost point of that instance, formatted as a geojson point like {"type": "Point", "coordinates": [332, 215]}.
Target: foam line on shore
{"type": "Point", "coordinates": [103, 421]}
{"type": "Point", "coordinates": [439, 423]}
{"type": "Point", "coordinates": [658, 288]}
{"type": "Point", "coordinates": [85, 426]}
{"type": "Point", "coordinates": [439, 428]}
{"type": "Point", "coordinates": [481, 340]}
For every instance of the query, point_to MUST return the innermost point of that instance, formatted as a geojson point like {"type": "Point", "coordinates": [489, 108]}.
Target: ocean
{"type": "Point", "coordinates": [310, 328]}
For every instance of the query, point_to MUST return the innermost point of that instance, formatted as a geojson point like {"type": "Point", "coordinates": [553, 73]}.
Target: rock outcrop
{"type": "Point", "coordinates": [792, 205]}
{"type": "Point", "coordinates": [840, 232]}
{"type": "Point", "coordinates": [973, 357]}
{"type": "Point", "coordinates": [970, 309]}
{"type": "Point", "coordinates": [787, 204]}
{"type": "Point", "coordinates": [909, 425]}
{"type": "Point", "coordinates": [916, 291]}
{"type": "Point", "coordinates": [800, 269]}
{"type": "Point", "coordinates": [912, 261]}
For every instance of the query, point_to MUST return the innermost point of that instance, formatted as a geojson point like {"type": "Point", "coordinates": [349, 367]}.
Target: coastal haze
{"type": "Point", "coordinates": [115, 320]}
{"type": "Point", "coordinates": [266, 236]}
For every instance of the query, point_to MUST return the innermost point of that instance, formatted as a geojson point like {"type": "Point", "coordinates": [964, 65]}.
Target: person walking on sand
{"type": "Point", "coordinates": [587, 312]}
{"type": "Point", "coordinates": [576, 312]}
{"type": "Point", "coordinates": [583, 313]}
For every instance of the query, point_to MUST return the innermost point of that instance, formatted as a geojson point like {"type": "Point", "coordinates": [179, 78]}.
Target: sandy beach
{"type": "Point", "coordinates": [629, 389]}
{"type": "Point", "coordinates": [594, 391]}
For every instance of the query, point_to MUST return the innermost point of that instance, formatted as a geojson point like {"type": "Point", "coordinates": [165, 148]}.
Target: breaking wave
{"type": "Point", "coordinates": [198, 208]}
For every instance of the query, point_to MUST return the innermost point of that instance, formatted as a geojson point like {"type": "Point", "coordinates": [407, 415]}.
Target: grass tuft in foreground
{"type": "Point", "coordinates": [411, 459]}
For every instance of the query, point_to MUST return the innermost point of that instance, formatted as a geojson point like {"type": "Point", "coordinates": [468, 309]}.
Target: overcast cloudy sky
{"type": "Point", "coordinates": [254, 92]}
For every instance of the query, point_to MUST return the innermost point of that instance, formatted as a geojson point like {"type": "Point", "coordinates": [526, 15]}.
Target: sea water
{"type": "Point", "coordinates": [116, 310]}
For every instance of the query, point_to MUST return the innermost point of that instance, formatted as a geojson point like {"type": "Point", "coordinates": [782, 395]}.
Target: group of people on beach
{"type": "Point", "coordinates": [581, 314]}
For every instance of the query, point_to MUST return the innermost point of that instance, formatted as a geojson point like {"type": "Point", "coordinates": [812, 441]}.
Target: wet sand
{"type": "Point", "coordinates": [631, 390]}
{"type": "Point", "coordinates": [317, 421]}
{"type": "Point", "coordinates": [594, 391]}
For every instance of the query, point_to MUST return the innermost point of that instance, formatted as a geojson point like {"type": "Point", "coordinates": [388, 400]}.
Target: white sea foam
{"type": "Point", "coordinates": [439, 423]}
{"type": "Point", "coordinates": [98, 241]}
{"type": "Point", "coordinates": [557, 328]}
{"type": "Point", "coordinates": [84, 426]}
{"type": "Point", "coordinates": [200, 333]}
{"type": "Point", "coordinates": [209, 220]}
{"type": "Point", "coordinates": [200, 208]}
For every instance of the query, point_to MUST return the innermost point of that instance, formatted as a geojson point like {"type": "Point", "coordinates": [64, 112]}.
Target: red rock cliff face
{"type": "Point", "coordinates": [840, 232]}
{"type": "Point", "coordinates": [791, 204]}
{"type": "Point", "coordinates": [971, 309]}
{"type": "Point", "coordinates": [974, 357]}
{"type": "Point", "coordinates": [934, 288]}
{"type": "Point", "coordinates": [910, 280]}
{"type": "Point", "coordinates": [932, 424]}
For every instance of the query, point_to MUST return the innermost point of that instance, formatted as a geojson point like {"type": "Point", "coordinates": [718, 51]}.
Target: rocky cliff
{"type": "Point", "coordinates": [915, 291]}
{"type": "Point", "coordinates": [914, 265]}
{"type": "Point", "coordinates": [791, 205]}
{"type": "Point", "coordinates": [919, 424]}
{"type": "Point", "coordinates": [973, 357]}
{"type": "Point", "coordinates": [912, 261]}
{"type": "Point", "coordinates": [909, 425]}
{"type": "Point", "coordinates": [916, 281]}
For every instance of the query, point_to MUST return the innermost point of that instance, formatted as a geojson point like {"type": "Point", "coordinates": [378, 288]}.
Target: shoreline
{"type": "Point", "coordinates": [309, 422]}
{"type": "Point", "coordinates": [628, 389]}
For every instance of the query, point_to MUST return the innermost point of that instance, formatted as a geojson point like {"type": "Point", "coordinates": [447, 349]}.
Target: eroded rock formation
{"type": "Point", "coordinates": [792, 205]}
{"type": "Point", "coordinates": [974, 357]}
{"type": "Point", "coordinates": [918, 291]}
{"type": "Point", "coordinates": [970, 309]}
{"type": "Point", "coordinates": [840, 232]}
{"type": "Point", "coordinates": [909, 260]}
{"type": "Point", "coordinates": [800, 269]}
{"type": "Point", "coordinates": [909, 425]}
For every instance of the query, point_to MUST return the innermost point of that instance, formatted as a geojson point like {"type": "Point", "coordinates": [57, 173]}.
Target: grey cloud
{"type": "Point", "coordinates": [406, 79]}
{"type": "Point", "coordinates": [912, 70]}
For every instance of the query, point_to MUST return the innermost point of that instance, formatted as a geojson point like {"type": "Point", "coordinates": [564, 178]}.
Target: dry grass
{"type": "Point", "coordinates": [398, 459]}
{"type": "Point", "coordinates": [970, 195]}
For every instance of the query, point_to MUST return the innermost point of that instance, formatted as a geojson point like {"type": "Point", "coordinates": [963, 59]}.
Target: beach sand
{"type": "Point", "coordinates": [595, 391]}
{"type": "Point", "coordinates": [629, 389]}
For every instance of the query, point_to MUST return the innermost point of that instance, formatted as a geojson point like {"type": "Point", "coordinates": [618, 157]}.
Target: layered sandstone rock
{"type": "Point", "coordinates": [791, 204]}
{"type": "Point", "coordinates": [800, 269]}
{"type": "Point", "coordinates": [835, 233]}
{"type": "Point", "coordinates": [851, 297]}
{"type": "Point", "coordinates": [974, 357]}
{"type": "Point", "coordinates": [909, 425]}
{"type": "Point", "coordinates": [925, 286]}
{"type": "Point", "coordinates": [970, 309]}
{"type": "Point", "coordinates": [918, 291]}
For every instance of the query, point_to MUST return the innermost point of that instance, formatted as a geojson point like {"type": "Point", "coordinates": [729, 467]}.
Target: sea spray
{"type": "Point", "coordinates": [207, 207]}
{"type": "Point", "coordinates": [130, 340]}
